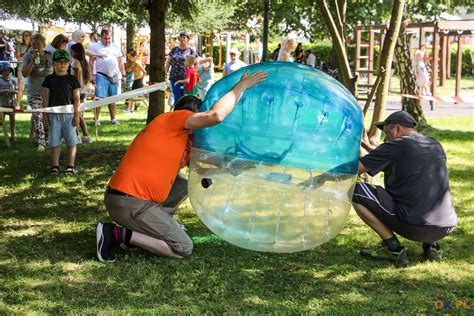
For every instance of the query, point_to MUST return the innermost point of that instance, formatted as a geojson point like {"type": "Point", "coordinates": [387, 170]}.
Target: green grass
{"type": "Point", "coordinates": [47, 249]}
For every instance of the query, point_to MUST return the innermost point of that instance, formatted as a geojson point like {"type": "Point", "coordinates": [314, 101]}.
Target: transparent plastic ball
{"type": "Point", "coordinates": [277, 174]}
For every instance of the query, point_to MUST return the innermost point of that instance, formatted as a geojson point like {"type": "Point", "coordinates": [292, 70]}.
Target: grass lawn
{"type": "Point", "coordinates": [47, 249]}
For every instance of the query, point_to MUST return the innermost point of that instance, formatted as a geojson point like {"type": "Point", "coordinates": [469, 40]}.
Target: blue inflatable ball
{"type": "Point", "coordinates": [277, 174]}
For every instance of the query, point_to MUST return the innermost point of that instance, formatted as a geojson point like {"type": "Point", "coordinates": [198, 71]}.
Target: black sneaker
{"type": "Point", "coordinates": [384, 253]}
{"type": "Point", "coordinates": [105, 241]}
{"type": "Point", "coordinates": [432, 253]}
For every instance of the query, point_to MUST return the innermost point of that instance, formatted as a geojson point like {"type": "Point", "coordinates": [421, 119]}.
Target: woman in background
{"type": "Point", "coordinates": [80, 70]}
{"type": "Point", "coordinates": [288, 46]}
{"type": "Point", "coordinates": [21, 50]}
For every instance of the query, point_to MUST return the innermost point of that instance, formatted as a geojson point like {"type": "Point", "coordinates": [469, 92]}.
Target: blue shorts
{"type": "Point", "coordinates": [104, 88]}
{"type": "Point", "coordinates": [60, 126]}
{"type": "Point", "coordinates": [178, 91]}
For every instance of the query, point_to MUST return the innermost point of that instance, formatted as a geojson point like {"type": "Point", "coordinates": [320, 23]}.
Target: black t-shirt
{"type": "Point", "coordinates": [61, 89]}
{"type": "Point", "coordinates": [416, 176]}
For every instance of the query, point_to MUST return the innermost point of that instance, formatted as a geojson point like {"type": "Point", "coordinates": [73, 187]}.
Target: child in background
{"type": "Point", "coordinates": [139, 73]}
{"type": "Point", "coordinates": [191, 79]}
{"type": "Point", "coordinates": [80, 70]}
{"type": "Point", "coordinates": [128, 71]}
{"type": "Point", "coordinates": [169, 93]}
{"type": "Point", "coordinates": [206, 76]}
{"type": "Point", "coordinates": [61, 88]}
{"type": "Point", "coordinates": [8, 91]}
{"type": "Point", "coordinates": [422, 76]}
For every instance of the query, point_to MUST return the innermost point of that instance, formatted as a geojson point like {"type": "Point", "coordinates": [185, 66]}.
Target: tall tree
{"type": "Point", "coordinates": [336, 29]}
{"type": "Point", "coordinates": [386, 58]}
{"type": "Point", "coordinates": [405, 71]}
{"type": "Point", "coordinates": [158, 10]}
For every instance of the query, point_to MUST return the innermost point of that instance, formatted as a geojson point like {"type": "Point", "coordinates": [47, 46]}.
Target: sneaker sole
{"type": "Point", "coordinates": [100, 242]}
{"type": "Point", "coordinates": [365, 253]}
{"type": "Point", "coordinates": [126, 248]}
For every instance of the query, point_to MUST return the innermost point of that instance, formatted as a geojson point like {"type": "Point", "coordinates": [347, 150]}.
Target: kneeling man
{"type": "Point", "coordinates": [146, 189]}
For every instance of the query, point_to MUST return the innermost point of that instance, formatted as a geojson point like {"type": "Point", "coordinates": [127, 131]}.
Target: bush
{"type": "Point", "coordinates": [466, 60]}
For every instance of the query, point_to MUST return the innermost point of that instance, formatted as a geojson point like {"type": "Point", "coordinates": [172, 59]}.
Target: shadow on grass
{"type": "Point", "coordinates": [48, 248]}
{"type": "Point", "coordinates": [217, 278]}
{"type": "Point", "coordinates": [443, 135]}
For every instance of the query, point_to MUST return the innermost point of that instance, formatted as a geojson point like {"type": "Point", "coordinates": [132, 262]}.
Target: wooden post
{"type": "Point", "coordinates": [370, 65]}
{"type": "Point", "coordinates": [421, 40]}
{"type": "Point", "coordinates": [434, 64]}
{"type": "Point", "coordinates": [448, 57]}
{"type": "Point", "coordinates": [357, 50]}
{"type": "Point", "coordinates": [442, 61]}
{"type": "Point", "coordinates": [266, 18]}
{"type": "Point", "coordinates": [458, 66]}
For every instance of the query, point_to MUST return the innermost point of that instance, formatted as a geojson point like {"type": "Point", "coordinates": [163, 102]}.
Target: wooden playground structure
{"type": "Point", "coordinates": [442, 34]}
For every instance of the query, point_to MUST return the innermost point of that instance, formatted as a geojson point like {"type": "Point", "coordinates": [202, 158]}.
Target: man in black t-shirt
{"type": "Point", "coordinates": [416, 202]}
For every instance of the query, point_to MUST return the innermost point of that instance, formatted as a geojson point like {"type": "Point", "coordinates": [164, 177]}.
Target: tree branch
{"type": "Point", "coordinates": [339, 24]}
{"type": "Point", "coordinates": [338, 45]}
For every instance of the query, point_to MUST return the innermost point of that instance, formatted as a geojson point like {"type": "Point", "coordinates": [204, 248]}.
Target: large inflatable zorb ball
{"type": "Point", "coordinates": [277, 174]}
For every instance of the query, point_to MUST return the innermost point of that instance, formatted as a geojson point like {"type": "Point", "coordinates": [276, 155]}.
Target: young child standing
{"type": "Point", "coordinates": [61, 88]}
{"type": "Point", "coordinates": [134, 66]}
{"type": "Point", "coordinates": [191, 79]}
{"type": "Point", "coordinates": [422, 76]}
{"type": "Point", "coordinates": [80, 70]}
{"type": "Point", "coordinates": [206, 76]}
{"type": "Point", "coordinates": [8, 91]}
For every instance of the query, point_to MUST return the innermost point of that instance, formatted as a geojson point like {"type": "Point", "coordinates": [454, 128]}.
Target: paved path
{"type": "Point", "coordinates": [440, 108]}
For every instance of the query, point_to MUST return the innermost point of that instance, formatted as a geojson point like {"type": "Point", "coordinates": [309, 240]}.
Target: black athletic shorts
{"type": "Point", "coordinates": [138, 83]}
{"type": "Point", "coordinates": [377, 200]}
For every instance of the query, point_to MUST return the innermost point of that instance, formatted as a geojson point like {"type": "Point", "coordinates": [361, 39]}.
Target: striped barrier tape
{"type": "Point", "coordinates": [455, 99]}
{"type": "Point", "coordinates": [93, 104]}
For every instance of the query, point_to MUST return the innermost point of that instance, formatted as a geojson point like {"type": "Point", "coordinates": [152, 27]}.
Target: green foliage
{"type": "Point", "coordinates": [206, 17]}
{"type": "Point", "coordinates": [422, 11]}
{"type": "Point", "coordinates": [184, 9]}
{"type": "Point", "coordinates": [85, 11]}
{"type": "Point", "coordinates": [467, 66]}
{"type": "Point", "coordinates": [323, 52]}
{"type": "Point", "coordinates": [47, 244]}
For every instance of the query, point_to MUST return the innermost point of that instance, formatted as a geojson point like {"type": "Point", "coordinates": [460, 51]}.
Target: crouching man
{"type": "Point", "coordinates": [416, 202]}
{"type": "Point", "coordinates": [146, 189]}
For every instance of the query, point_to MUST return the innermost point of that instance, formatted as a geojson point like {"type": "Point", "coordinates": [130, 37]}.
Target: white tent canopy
{"type": "Point", "coordinates": [16, 24]}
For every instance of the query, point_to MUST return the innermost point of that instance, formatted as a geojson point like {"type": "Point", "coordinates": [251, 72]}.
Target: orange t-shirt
{"type": "Point", "coordinates": [152, 161]}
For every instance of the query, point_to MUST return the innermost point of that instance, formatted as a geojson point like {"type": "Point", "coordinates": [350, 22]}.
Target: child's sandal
{"type": "Point", "coordinates": [54, 170]}
{"type": "Point", "coordinates": [70, 170]}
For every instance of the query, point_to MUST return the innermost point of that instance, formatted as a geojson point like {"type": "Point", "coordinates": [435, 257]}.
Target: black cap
{"type": "Point", "coordinates": [400, 117]}
{"type": "Point", "coordinates": [184, 34]}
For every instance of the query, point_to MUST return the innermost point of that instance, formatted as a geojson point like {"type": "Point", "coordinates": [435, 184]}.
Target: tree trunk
{"type": "Point", "coordinates": [386, 58]}
{"type": "Point", "coordinates": [407, 77]}
{"type": "Point", "coordinates": [157, 57]}
{"type": "Point", "coordinates": [130, 34]}
{"type": "Point", "coordinates": [338, 43]}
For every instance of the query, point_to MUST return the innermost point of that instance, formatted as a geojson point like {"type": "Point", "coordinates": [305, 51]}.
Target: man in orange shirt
{"type": "Point", "coordinates": [146, 189]}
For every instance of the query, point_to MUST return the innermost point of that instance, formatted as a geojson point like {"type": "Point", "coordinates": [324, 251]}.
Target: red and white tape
{"type": "Point", "coordinates": [455, 99]}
